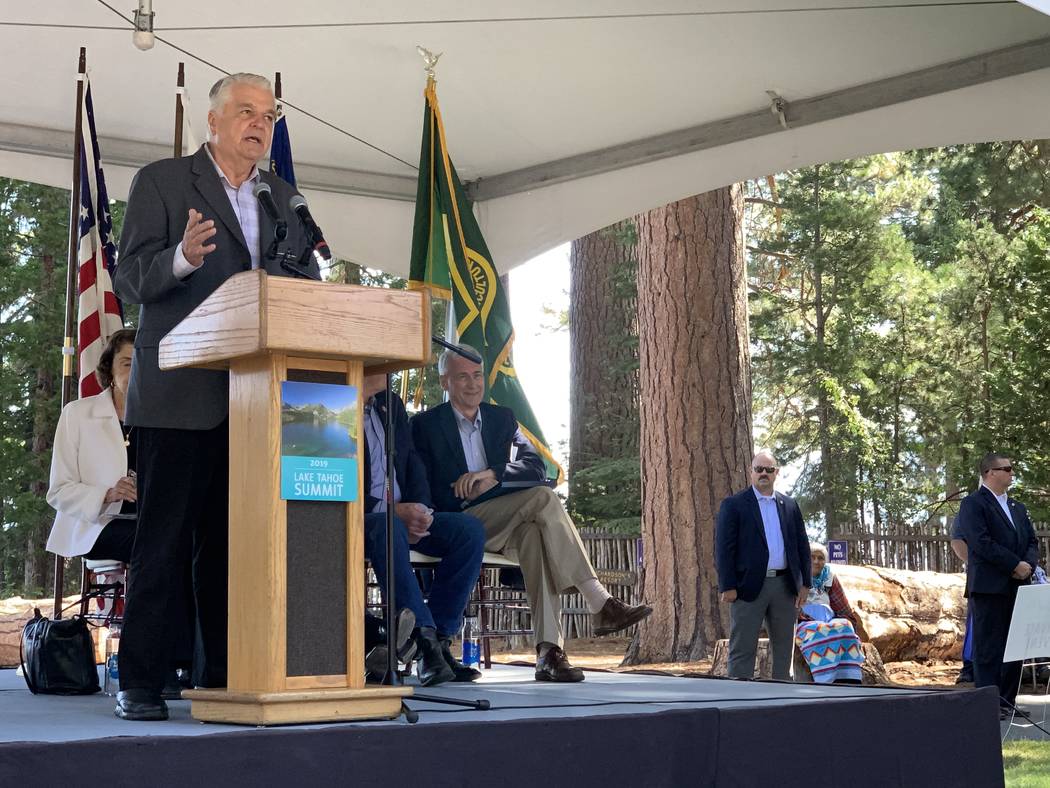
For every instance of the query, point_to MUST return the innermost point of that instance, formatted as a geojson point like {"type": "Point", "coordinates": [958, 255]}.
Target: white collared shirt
{"type": "Point", "coordinates": [1004, 503]}
{"type": "Point", "coordinates": [767, 507]}
{"type": "Point", "coordinates": [470, 437]}
{"type": "Point", "coordinates": [246, 209]}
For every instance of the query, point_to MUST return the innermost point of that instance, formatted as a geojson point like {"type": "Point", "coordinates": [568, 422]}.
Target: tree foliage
{"type": "Point", "coordinates": [33, 247]}
{"type": "Point", "coordinates": [899, 305]}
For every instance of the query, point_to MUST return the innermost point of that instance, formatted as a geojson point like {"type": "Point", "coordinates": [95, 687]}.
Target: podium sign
{"type": "Point", "coordinates": [1029, 636]}
{"type": "Point", "coordinates": [296, 573]}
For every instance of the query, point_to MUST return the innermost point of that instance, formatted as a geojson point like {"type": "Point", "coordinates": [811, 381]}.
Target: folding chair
{"type": "Point", "coordinates": [103, 582]}
{"type": "Point", "coordinates": [489, 596]}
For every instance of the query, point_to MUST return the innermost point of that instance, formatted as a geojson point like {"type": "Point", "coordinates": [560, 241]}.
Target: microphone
{"type": "Point", "coordinates": [459, 351]}
{"type": "Point", "coordinates": [297, 203]}
{"type": "Point", "coordinates": [264, 195]}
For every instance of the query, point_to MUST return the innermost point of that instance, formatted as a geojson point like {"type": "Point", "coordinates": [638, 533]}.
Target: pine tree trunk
{"type": "Point", "coordinates": [603, 322]}
{"type": "Point", "coordinates": [695, 413]}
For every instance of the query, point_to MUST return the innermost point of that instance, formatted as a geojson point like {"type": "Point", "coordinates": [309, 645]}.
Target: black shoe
{"type": "Point", "coordinates": [376, 645]}
{"type": "Point", "coordinates": [554, 666]}
{"type": "Point", "coordinates": [404, 642]}
{"type": "Point", "coordinates": [432, 668]}
{"type": "Point", "coordinates": [376, 664]}
{"type": "Point", "coordinates": [463, 672]}
{"type": "Point", "coordinates": [140, 704]}
{"type": "Point", "coordinates": [172, 686]}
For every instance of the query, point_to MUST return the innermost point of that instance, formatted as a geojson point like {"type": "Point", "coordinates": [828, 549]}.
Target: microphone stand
{"type": "Point", "coordinates": [392, 677]}
{"type": "Point", "coordinates": [295, 265]}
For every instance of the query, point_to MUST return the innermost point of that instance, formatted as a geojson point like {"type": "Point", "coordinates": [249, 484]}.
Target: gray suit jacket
{"type": "Point", "coordinates": [161, 195]}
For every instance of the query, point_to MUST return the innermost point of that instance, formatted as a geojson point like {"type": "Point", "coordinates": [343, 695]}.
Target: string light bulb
{"type": "Point", "coordinates": [143, 37]}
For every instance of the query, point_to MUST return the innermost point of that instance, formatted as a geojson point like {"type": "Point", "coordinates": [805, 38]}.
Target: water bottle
{"type": "Point", "coordinates": [111, 682]}
{"type": "Point", "coordinates": [471, 644]}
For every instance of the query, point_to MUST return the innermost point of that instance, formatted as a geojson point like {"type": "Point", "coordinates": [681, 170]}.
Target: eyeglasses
{"type": "Point", "coordinates": [1004, 468]}
{"type": "Point", "coordinates": [764, 469]}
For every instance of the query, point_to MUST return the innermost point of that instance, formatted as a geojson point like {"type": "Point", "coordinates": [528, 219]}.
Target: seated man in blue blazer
{"type": "Point", "coordinates": [458, 539]}
{"type": "Point", "coordinates": [478, 459]}
{"type": "Point", "coordinates": [1002, 552]}
{"type": "Point", "coordinates": [762, 557]}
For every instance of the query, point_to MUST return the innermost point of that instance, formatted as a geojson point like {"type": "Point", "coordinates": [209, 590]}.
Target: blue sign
{"type": "Point", "coordinates": [318, 479]}
{"type": "Point", "coordinates": [838, 552]}
{"type": "Point", "coordinates": [319, 429]}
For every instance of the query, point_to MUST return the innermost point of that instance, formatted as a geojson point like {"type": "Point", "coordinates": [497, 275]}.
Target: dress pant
{"type": "Point", "coordinates": [991, 624]}
{"type": "Point", "coordinates": [182, 539]}
{"type": "Point", "coordinates": [114, 542]}
{"type": "Point", "coordinates": [775, 605]}
{"type": "Point", "coordinates": [533, 528]}
{"type": "Point", "coordinates": [457, 539]}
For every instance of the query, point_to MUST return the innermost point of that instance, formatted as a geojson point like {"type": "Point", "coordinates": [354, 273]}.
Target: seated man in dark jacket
{"type": "Point", "coordinates": [479, 460]}
{"type": "Point", "coordinates": [458, 539]}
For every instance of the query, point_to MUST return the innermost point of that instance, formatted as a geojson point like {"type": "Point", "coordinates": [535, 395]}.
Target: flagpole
{"type": "Point", "coordinates": [69, 389]}
{"type": "Point", "coordinates": [277, 90]}
{"type": "Point", "coordinates": [180, 83]}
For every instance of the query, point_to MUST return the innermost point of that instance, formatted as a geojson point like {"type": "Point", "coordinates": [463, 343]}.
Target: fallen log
{"type": "Point", "coordinates": [904, 616]}
{"type": "Point", "coordinates": [14, 613]}
{"type": "Point", "coordinates": [908, 615]}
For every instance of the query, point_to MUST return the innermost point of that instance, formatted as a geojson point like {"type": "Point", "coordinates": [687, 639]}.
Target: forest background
{"type": "Point", "coordinates": [898, 329]}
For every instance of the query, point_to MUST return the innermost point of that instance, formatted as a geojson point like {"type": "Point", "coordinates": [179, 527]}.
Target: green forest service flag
{"type": "Point", "coordinates": [451, 259]}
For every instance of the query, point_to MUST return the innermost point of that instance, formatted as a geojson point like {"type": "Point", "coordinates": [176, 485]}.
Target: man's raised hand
{"type": "Point", "coordinates": [194, 239]}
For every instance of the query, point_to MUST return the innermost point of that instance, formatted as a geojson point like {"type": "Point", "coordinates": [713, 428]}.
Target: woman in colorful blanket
{"type": "Point", "coordinates": [827, 630]}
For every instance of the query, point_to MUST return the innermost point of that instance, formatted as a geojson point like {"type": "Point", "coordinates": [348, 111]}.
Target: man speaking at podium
{"type": "Point", "coordinates": [191, 224]}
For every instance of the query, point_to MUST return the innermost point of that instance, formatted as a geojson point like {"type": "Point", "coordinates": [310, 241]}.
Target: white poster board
{"type": "Point", "coordinates": [1029, 635]}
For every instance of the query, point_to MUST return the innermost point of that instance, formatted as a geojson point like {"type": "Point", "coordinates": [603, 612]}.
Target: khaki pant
{"type": "Point", "coordinates": [533, 528]}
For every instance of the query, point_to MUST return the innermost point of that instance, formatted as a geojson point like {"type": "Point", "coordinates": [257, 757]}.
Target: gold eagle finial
{"type": "Point", "coordinates": [429, 60]}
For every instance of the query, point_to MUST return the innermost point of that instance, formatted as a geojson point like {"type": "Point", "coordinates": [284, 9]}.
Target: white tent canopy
{"type": "Point", "coordinates": [564, 116]}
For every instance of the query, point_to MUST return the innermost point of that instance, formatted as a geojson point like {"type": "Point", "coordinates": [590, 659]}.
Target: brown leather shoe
{"type": "Point", "coordinates": [615, 615]}
{"type": "Point", "coordinates": [554, 666]}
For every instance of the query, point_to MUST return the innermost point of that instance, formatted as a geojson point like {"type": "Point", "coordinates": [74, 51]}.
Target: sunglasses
{"type": "Point", "coordinates": [773, 469]}
{"type": "Point", "coordinates": [1005, 468]}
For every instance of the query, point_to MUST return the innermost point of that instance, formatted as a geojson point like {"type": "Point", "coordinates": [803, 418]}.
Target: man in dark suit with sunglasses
{"type": "Point", "coordinates": [762, 557]}
{"type": "Point", "coordinates": [1003, 553]}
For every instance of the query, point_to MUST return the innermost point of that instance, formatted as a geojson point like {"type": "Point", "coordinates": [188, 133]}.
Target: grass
{"type": "Point", "coordinates": [1027, 764]}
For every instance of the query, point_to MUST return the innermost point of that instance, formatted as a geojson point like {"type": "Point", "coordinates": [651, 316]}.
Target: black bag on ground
{"type": "Point", "coordinates": [58, 657]}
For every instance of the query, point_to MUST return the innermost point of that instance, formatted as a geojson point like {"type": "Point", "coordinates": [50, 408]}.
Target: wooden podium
{"type": "Point", "coordinates": [296, 573]}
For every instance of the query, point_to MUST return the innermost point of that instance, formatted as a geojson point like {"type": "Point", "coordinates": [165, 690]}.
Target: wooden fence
{"type": "Point", "coordinates": [617, 560]}
{"type": "Point", "coordinates": [916, 552]}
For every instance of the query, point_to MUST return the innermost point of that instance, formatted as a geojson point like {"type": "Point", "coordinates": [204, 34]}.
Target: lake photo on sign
{"type": "Point", "coordinates": [318, 420]}
{"type": "Point", "coordinates": [319, 429]}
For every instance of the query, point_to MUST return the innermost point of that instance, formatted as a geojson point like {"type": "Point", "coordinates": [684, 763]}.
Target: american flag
{"type": "Point", "coordinates": [100, 313]}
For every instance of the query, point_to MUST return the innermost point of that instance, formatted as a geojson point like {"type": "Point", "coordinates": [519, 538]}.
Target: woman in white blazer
{"type": "Point", "coordinates": [92, 465]}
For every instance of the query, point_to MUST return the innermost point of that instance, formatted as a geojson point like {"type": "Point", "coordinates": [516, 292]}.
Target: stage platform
{"type": "Point", "coordinates": [613, 729]}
